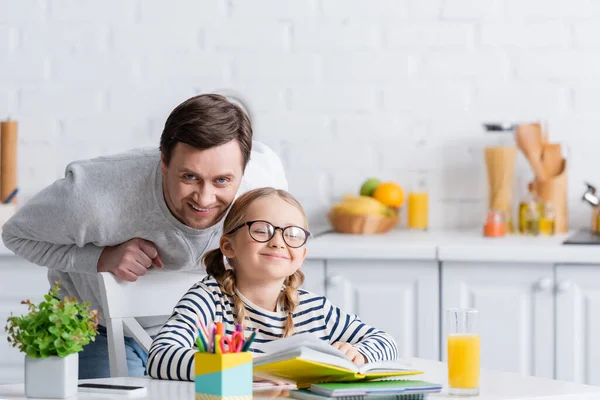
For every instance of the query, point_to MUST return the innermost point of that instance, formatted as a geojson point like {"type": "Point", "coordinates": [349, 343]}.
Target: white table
{"type": "Point", "coordinates": [494, 386]}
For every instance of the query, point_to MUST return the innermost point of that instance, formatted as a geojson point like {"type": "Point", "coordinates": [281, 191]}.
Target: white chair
{"type": "Point", "coordinates": [152, 295]}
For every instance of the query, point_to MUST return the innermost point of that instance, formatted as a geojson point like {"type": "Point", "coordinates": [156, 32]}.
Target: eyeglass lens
{"type": "Point", "coordinates": [293, 236]}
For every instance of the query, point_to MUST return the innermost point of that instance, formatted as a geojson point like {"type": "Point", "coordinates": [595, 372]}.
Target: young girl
{"type": "Point", "coordinates": [253, 279]}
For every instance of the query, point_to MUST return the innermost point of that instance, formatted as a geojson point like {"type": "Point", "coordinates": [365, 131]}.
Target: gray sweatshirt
{"type": "Point", "coordinates": [108, 200]}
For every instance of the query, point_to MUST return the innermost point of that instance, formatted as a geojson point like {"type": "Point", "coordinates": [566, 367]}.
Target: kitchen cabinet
{"type": "Point", "coordinates": [516, 312]}
{"type": "Point", "coordinates": [578, 323]}
{"type": "Point", "coordinates": [20, 280]}
{"type": "Point", "coordinates": [399, 297]}
{"type": "Point", "coordinates": [314, 276]}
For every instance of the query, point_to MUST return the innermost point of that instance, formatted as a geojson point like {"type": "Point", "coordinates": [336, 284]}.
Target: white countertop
{"type": "Point", "coordinates": [392, 245]}
{"type": "Point", "coordinates": [494, 386]}
{"type": "Point", "coordinates": [403, 244]}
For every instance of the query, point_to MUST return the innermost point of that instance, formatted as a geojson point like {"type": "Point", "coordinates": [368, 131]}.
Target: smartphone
{"type": "Point", "coordinates": [111, 389]}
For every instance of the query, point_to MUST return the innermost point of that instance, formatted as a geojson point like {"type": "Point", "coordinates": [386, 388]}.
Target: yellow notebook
{"type": "Point", "coordinates": [306, 360]}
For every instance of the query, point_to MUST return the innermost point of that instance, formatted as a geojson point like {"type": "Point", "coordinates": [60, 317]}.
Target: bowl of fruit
{"type": "Point", "coordinates": [375, 210]}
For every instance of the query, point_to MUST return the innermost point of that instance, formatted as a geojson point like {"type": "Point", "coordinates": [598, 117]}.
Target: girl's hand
{"type": "Point", "coordinates": [351, 352]}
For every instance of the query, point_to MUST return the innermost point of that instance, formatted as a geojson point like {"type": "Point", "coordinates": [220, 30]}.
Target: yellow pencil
{"type": "Point", "coordinates": [217, 344]}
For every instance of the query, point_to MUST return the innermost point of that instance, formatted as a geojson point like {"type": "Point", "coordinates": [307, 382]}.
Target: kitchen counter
{"type": "Point", "coordinates": [456, 245]}
{"type": "Point", "coordinates": [451, 246]}
{"type": "Point", "coordinates": [392, 245]}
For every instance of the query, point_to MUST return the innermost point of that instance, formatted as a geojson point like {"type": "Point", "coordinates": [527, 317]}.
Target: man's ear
{"type": "Point", "coordinates": [226, 247]}
{"type": "Point", "coordinates": [163, 163]}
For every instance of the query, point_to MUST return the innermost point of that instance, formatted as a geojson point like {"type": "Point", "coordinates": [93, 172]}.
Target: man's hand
{"type": "Point", "coordinates": [129, 260]}
{"type": "Point", "coordinates": [351, 352]}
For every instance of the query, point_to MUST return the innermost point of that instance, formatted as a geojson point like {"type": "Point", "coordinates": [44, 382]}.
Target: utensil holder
{"type": "Point", "coordinates": [223, 376]}
{"type": "Point", "coordinates": [554, 190]}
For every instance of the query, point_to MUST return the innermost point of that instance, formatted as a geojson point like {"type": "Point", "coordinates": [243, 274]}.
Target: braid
{"type": "Point", "coordinates": [289, 298]}
{"type": "Point", "coordinates": [213, 260]}
{"type": "Point", "coordinates": [228, 287]}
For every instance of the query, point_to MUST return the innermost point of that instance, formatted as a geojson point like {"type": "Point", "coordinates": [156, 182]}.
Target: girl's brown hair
{"type": "Point", "coordinates": [213, 260]}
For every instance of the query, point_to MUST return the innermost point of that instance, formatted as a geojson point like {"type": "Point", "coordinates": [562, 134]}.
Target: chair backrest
{"type": "Point", "coordinates": [152, 295]}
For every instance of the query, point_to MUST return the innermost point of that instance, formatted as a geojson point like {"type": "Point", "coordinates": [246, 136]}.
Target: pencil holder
{"type": "Point", "coordinates": [223, 376]}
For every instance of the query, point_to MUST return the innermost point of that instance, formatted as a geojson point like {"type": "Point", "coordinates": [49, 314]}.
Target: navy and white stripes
{"type": "Point", "coordinates": [172, 353]}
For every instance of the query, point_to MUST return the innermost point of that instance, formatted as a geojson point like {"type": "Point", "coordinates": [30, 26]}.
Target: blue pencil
{"type": "Point", "coordinates": [11, 196]}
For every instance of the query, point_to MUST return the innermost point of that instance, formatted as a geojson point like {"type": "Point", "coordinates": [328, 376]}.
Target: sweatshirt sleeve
{"type": "Point", "coordinates": [372, 343]}
{"type": "Point", "coordinates": [57, 228]}
{"type": "Point", "coordinates": [171, 355]}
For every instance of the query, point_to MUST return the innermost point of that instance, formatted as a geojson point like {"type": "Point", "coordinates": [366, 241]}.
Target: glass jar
{"type": "Point", "coordinates": [530, 212]}
{"type": "Point", "coordinates": [503, 133]}
{"type": "Point", "coordinates": [495, 225]}
{"type": "Point", "coordinates": [547, 220]}
{"type": "Point", "coordinates": [533, 214]}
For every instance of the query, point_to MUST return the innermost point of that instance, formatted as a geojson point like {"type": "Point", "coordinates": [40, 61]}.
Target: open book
{"type": "Point", "coordinates": [306, 359]}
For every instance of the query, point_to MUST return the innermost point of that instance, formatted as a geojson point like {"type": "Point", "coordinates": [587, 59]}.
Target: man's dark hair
{"type": "Point", "coordinates": [206, 121]}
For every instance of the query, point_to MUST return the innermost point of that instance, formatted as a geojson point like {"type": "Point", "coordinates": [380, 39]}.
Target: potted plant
{"type": "Point", "coordinates": [51, 335]}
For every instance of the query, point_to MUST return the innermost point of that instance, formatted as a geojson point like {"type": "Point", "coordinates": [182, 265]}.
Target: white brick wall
{"type": "Point", "coordinates": [341, 89]}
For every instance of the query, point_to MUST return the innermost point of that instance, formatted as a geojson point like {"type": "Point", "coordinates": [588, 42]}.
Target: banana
{"type": "Point", "coordinates": [361, 205]}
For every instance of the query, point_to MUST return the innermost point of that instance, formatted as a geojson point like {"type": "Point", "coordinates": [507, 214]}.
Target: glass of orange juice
{"type": "Point", "coordinates": [463, 351]}
{"type": "Point", "coordinates": [418, 210]}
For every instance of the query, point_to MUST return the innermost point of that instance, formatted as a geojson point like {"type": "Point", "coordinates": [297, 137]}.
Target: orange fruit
{"type": "Point", "coordinates": [390, 194]}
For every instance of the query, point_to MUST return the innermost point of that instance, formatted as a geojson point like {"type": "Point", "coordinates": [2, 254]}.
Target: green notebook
{"type": "Point", "coordinates": [307, 395]}
{"type": "Point", "coordinates": [374, 388]}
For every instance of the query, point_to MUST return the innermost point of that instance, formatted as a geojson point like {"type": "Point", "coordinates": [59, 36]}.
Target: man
{"type": "Point", "coordinates": [146, 208]}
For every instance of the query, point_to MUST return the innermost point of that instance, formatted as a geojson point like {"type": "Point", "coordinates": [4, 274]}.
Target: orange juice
{"type": "Point", "coordinates": [417, 210]}
{"type": "Point", "coordinates": [463, 361]}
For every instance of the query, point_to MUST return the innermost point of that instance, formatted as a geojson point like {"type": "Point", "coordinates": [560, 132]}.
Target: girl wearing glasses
{"type": "Point", "coordinates": [254, 279]}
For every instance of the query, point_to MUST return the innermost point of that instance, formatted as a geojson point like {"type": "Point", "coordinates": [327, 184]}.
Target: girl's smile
{"type": "Point", "coordinates": [275, 256]}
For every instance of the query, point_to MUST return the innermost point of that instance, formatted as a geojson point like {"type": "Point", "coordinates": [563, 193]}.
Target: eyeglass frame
{"type": "Point", "coordinates": [249, 224]}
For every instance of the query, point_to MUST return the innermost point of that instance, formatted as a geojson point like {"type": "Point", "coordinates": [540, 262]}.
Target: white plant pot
{"type": "Point", "coordinates": [51, 378]}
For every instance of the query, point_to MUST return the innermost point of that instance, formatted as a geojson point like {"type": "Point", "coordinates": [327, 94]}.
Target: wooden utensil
{"type": "Point", "coordinates": [545, 134]}
{"type": "Point", "coordinates": [552, 159]}
{"type": "Point", "coordinates": [529, 139]}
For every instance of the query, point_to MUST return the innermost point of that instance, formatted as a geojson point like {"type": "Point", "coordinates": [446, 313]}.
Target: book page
{"type": "Point", "coordinates": [385, 366]}
{"type": "Point", "coordinates": [303, 340]}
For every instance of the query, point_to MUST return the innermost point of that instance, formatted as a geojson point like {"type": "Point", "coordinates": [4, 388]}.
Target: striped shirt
{"type": "Point", "coordinates": [172, 353]}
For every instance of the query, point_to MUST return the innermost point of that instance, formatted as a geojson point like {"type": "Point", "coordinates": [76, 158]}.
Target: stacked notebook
{"type": "Point", "coordinates": [377, 390]}
{"type": "Point", "coordinates": [304, 360]}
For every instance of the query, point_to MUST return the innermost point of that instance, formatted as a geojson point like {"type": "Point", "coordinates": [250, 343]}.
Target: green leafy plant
{"type": "Point", "coordinates": [54, 327]}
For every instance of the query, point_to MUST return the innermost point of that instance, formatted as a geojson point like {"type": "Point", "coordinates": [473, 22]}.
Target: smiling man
{"type": "Point", "coordinates": [146, 208]}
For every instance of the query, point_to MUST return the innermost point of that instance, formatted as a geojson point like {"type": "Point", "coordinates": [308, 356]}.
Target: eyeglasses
{"type": "Point", "coordinates": [263, 231]}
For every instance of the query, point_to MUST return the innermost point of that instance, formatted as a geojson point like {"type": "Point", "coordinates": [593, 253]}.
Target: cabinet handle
{"type": "Point", "coordinates": [563, 286]}
{"type": "Point", "coordinates": [334, 280]}
{"type": "Point", "coordinates": [544, 284]}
